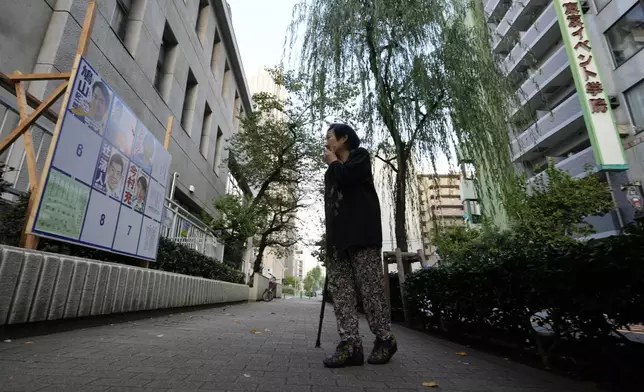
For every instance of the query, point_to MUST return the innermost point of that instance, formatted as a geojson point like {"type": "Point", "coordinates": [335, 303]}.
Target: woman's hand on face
{"type": "Point", "coordinates": [329, 156]}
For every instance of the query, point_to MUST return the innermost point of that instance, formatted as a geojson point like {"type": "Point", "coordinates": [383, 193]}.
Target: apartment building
{"type": "Point", "coordinates": [440, 207]}
{"type": "Point", "coordinates": [579, 71]}
{"type": "Point", "coordinates": [171, 57]}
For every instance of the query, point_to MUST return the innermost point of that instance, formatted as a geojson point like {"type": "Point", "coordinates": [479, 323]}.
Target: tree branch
{"type": "Point", "coordinates": [422, 121]}
{"type": "Point", "coordinates": [383, 108]}
{"type": "Point", "coordinates": [388, 162]}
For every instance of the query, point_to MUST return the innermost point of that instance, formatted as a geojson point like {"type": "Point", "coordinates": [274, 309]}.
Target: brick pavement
{"type": "Point", "coordinates": [215, 350]}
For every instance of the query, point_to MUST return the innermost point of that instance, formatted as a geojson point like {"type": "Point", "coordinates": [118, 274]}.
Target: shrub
{"type": "Point", "coordinates": [288, 290]}
{"type": "Point", "coordinates": [589, 290]}
{"type": "Point", "coordinates": [171, 257]}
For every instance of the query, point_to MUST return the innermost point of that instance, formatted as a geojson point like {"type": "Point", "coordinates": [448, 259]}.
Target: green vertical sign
{"type": "Point", "coordinates": [598, 116]}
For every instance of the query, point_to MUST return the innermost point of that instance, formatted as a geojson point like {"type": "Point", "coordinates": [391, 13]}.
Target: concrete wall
{"type": "Point", "coordinates": [41, 36]}
{"type": "Point", "coordinates": [38, 286]}
{"type": "Point", "coordinates": [260, 284]}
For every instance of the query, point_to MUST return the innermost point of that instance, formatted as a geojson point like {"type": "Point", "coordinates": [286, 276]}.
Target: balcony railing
{"type": "Point", "coordinates": [494, 8]}
{"type": "Point", "coordinates": [550, 129]}
{"type": "Point", "coordinates": [536, 41]}
{"type": "Point", "coordinates": [518, 18]}
{"type": "Point", "coordinates": [552, 75]}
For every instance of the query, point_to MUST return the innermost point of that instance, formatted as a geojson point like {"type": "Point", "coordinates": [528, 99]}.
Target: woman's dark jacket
{"type": "Point", "coordinates": [351, 204]}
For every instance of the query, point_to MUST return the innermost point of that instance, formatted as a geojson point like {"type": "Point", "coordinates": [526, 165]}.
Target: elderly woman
{"type": "Point", "coordinates": [354, 241]}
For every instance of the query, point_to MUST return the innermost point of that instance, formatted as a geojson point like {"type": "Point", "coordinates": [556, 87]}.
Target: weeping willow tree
{"type": "Point", "coordinates": [428, 82]}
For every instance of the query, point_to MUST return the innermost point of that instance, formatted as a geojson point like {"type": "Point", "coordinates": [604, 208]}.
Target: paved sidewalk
{"type": "Point", "coordinates": [215, 350]}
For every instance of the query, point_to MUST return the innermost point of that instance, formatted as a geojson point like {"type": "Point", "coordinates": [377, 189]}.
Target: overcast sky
{"type": "Point", "coordinates": [260, 28]}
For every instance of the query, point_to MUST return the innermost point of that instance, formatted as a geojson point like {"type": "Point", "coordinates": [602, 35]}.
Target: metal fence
{"type": "Point", "coordinates": [178, 224]}
{"type": "Point", "coordinates": [182, 227]}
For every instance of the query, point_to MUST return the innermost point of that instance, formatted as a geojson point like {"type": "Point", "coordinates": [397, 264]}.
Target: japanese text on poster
{"type": "Point", "coordinates": [106, 184]}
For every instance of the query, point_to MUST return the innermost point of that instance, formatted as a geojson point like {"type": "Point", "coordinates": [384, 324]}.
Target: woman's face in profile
{"type": "Point", "coordinates": [332, 142]}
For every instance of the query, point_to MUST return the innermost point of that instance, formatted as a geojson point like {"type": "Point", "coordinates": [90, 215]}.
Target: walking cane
{"type": "Point", "coordinates": [326, 285]}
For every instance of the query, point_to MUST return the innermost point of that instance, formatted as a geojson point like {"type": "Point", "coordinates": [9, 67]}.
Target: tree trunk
{"type": "Point", "coordinates": [257, 267]}
{"type": "Point", "coordinates": [400, 208]}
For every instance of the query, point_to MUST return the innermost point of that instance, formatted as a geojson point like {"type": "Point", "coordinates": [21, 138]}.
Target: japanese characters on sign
{"type": "Point", "coordinates": [105, 187]}
{"type": "Point", "coordinates": [585, 57]}
{"type": "Point", "coordinates": [609, 153]}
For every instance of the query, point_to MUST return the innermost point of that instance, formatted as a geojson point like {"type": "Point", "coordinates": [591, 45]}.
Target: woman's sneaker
{"type": "Point", "coordinates": [383, 350]}
{"type": "Point", "coordinates": [347, 353]}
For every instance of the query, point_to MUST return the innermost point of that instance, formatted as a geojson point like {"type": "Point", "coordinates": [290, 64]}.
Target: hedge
{"type": "Point", "coordinates": [171, 257]}
{"type": "Point", "coordinates": [587, 290]}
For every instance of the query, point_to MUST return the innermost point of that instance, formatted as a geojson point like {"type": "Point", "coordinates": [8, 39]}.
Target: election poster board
{"type": "Point", "coordinates": [106, 185]}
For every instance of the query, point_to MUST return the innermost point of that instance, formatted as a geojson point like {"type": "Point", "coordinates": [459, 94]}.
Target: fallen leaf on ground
{"type": "Point", "coordinates": [254, 331]}
{"type": "Point", "coordinates": [462, 354]}
{"type": "Point", "coordinates": [430, 384]}
{"type": "Point", "coordinates": [29, 342]}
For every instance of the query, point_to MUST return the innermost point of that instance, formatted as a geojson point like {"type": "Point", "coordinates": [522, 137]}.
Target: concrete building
{"type": "Point", "coordinates": [299, 266]}
{"type": "Point", "coordinates": [274, 265]}
{"type": "Point", "coordinates": [440, 207]}
{"type": "Point", "coordinates": [171, 57]}
{"type": "Point", "coordinates": [574, 64]}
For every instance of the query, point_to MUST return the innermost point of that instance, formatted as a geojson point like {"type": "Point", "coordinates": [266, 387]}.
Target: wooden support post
{"type": "Point", "coordinates": [24, 125]}
{"type": "Point", "coordinates": [32, 101]}
{"type": "Point", "coordinates": [86, 33]}
{"type": "Point", "coordinates": [168, 133]}
{"type": "Point", "coordinates": [19, 77]}
{"type": "Point", "coordinates": [401, 280]}
{"type": "Point", "coordinates": [27, 137]}
{"type": "Point", "coordinates": [27, 241]}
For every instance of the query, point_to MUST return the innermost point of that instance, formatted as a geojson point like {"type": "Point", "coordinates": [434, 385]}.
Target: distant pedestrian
{"type": "Point", "coordinates": [354, 242]}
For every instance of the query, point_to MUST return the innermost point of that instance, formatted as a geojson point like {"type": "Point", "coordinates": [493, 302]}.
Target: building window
{"type": "Point", "coordinates": [217, 51]}
{"type": "Point", "coordinates": [226, 84]}
{"type": "Point", "coordinates": [218, 149]}
{"type": "Point", "coordinates": [635, 101]}
{"type": "Point", "coordinates": [626, 36]}
{"type": "Point", "coordinates": [189, 103]}
{"type": "Point", "coordinates": [205, 131]}
{"type": "Point", "coordinates": [165, 62]}
{"type": "Point", "coordinates": [202, 19]}
{"type": "Point", "coordinates": [236, 113]}
{"type": "Point", "coordinates": [120, 17]}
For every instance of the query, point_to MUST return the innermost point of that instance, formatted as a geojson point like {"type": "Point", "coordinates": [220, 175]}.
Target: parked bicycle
{"type": "Point", "coordinates": [269, 293]}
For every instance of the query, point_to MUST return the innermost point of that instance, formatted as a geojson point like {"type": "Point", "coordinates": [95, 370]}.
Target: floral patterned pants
{"type": "Point", "coordinates": [361, 270]}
